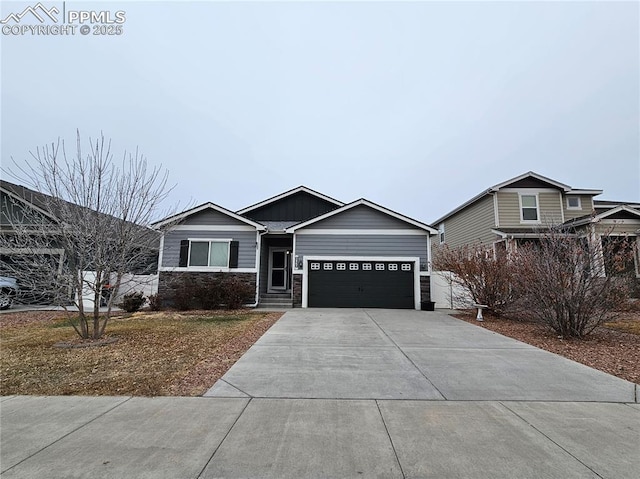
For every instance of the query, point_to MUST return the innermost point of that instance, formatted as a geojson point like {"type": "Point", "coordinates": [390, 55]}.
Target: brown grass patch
{"type": "Point", "coordinates": [157, 353]}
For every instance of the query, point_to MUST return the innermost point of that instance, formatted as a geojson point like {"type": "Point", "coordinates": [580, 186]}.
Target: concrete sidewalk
{"type": "Point", "coordinates": [347, 393]}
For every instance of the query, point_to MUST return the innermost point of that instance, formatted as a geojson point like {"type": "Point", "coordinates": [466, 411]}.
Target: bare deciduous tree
{"type": "Point", "coordinates": [94, 217]}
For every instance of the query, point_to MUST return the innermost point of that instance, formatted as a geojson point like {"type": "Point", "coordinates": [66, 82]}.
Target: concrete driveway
{"type": "Point", "coordinates": [348, 393]}
{"type": "Point", "coordinates": [398, 354]}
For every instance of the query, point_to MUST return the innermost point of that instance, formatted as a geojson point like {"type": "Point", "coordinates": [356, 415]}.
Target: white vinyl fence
{"type": "Point", "coordinates": [447, 294]}
{"type": "Point", "coordinates": [147, 284]}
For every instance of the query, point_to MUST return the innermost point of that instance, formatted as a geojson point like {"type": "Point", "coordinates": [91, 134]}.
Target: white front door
{"type": "Point", "coordinates": [279, 269]}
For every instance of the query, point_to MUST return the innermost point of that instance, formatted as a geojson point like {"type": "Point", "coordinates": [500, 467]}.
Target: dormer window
{"type": "Point", "coordinates": [529, 209]}
{"type": "Point", "coordinates": [573, 203]}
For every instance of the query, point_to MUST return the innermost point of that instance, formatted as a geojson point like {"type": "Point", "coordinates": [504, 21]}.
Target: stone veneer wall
{"type": "Point", "coordinates": [425, 288]}
{"type": "Point", "coordinates": [297, 290]}
{"type": "Point", "coordinates": [168, 279]}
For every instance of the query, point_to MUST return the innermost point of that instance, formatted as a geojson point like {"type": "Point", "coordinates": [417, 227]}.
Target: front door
{"type": "Point", "coordinates": [279, 269]}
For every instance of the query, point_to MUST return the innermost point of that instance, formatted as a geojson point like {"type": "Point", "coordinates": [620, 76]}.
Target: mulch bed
{"type": "Point", "coordinates": [607, 349]}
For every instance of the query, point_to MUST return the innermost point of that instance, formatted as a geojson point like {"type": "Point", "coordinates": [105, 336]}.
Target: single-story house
{"type": "Point", "coordinates": [305, 249]}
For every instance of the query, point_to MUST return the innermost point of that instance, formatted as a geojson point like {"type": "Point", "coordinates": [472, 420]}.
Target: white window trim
{"type": "Point", "coordinates": [579, 207]}
{"type": "Point", "coordinates": [530, 222]}
{"type": "Point", "coordinates": [210, 240]}
{"type": "Point", "coordinates": [441, 234]}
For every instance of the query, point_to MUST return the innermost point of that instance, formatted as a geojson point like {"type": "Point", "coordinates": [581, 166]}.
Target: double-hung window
{"type": "Point", "coordinates": [529, 208]}
{"type": "Point", "coordinates": [212, 253]}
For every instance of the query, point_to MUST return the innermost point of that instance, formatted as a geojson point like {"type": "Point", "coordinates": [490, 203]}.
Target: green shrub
{"type": "Point", "coordinates": [132, 302]}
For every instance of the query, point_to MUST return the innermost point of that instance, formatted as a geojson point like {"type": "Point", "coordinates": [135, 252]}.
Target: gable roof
{"type": "Point", "coordinates": [583, 220]}
{"type": "Point", "coordinates": [531, 174]}
{"type": "Point", "coordinates": [206, 206]}
{"type": "Point", "coordinates": [34, 199]}
{"type": "Point", "coordinates": [604, 204]}
{"type": "Point", "coordinates": [505, 184]}
{"type": "Point", "coordinates": [44, 203]}
{"type": "Point", "coordinates": [287, 194]}
{"type": "Point", "coordinates": [370, 204]}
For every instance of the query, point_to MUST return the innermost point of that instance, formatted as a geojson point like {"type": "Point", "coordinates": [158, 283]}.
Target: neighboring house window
{"type": "Point", "coordinates": [441, 233]}
{"type": "Point", "coordinates": [208, 253]}
{"type": "Point", "coordinates": [529, 208]}
{"type": "Point", "coordinates": [573, 203]}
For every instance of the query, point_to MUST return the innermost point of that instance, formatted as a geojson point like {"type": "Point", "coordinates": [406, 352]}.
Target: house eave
{"type": "Point", "coordinates": [185, 214]}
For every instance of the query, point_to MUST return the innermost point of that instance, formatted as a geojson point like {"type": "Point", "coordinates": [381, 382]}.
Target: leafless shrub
{"type": "Point", "coordinates": [573, 284]}
{"type": "Point", "coordinates": [487, 277]}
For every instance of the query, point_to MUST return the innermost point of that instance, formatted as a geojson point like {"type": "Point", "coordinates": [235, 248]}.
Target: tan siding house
{"type": "Point", "coordinates": [472, 225]}
{"type": "Point", "coordinates": [516, 209]}
{"type": "Point", "coordinates": [585, 206]}
{"type": "Point", "coordinates": [522, 208]}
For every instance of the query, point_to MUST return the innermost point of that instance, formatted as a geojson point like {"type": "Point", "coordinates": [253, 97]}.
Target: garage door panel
{"type": "Point", "coordinates": [347, 285]}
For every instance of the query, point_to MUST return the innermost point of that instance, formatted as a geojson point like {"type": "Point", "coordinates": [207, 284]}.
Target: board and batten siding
{"type": "Point", "coordinates": [472, 225]}
{"type": "Point", "coordinates": [211, 217]}
{"type": "Point", "coordinates": [361, 217]}
{"type": "Point", "coordinates": [550, 204]}
{"type": "Point", "coordinates": [586, 207]}
{"type": "Point", "coordinates": [362, 245]}
{"type": "Point", "coordinates": [246, 246]}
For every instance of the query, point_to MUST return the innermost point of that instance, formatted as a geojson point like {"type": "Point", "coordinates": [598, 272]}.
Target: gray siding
{"type": "Point", "coordinates": [211, 217]}
{"type": "Point", "coordinates": [509, 208]}
{"type": "Point", "coordinates": [362, 245]}
{"type": "Point", "coordinates": [471, 225]}
{"type": "Point", "coordinates": [246, 247]}
{"type": "Point", "coordinates": [362, 217]}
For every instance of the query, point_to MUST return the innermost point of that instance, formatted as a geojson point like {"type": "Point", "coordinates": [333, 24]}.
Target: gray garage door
{"type": "Point", "coordinates": [361, 284]}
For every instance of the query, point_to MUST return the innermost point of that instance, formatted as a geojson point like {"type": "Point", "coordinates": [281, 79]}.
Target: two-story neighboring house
{"type": "Point", "coordinates": [520, 209]}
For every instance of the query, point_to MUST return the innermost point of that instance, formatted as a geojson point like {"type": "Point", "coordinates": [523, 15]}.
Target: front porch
{"type": "Point", "coordinates": [276, 264]}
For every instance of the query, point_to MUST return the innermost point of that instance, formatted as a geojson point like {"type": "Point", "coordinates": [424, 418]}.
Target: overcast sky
{"type": "Point", "coordinates": [417, 106]}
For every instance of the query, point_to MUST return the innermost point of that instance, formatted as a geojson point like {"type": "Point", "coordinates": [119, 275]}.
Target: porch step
{"type": "Point", "coordinates": [275, 296]}
{"type": "Point", "coordinates": [275, 300]}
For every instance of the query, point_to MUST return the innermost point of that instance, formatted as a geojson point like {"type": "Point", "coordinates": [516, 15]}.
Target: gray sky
{"type": "Point", "coordinates": [417, 106]}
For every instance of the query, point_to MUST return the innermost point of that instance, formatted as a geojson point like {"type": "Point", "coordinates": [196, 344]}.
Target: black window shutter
{"type": "Point", "coordinates": [184, 253]}
{"type": "Point", "coordinates": [233, 254]}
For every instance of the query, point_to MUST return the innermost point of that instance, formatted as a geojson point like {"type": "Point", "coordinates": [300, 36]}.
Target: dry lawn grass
{"type": "Point", "coordinates": [156, 354]}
